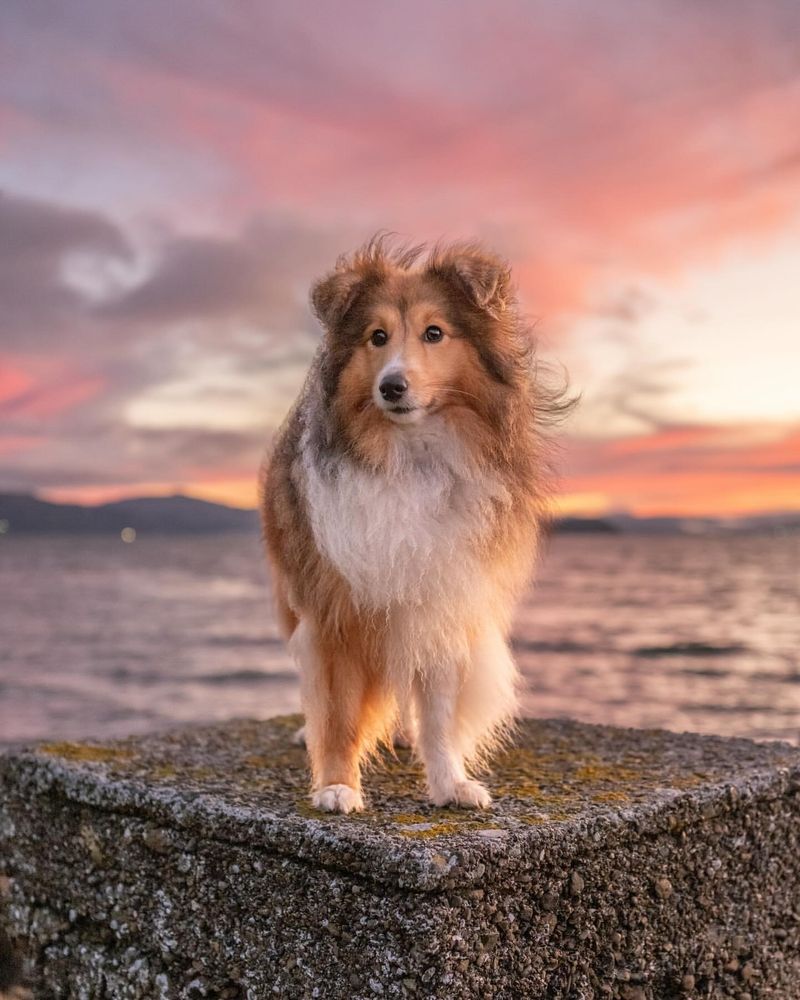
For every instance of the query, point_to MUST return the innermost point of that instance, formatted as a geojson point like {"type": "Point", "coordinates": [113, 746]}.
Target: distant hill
{"type": "Point", "coordinates": [628, 524]}
{"type": "Point", "coordinates": [22, 513]}
{"type": "Point", "coordinates": [585, 525]}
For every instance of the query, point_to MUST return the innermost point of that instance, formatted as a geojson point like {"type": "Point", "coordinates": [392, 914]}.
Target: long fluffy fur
{"type": "Point", "coordinates": [398, 548]}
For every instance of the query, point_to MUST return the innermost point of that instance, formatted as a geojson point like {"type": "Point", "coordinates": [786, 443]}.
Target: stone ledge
{"type": "Point", "coordinates": [615, 863]}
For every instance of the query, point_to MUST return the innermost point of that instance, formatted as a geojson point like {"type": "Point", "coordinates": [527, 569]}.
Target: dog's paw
{"type": "Point", "coordinates": [467, 794]}
{"type": "Point", "coordinates": [338, 798]}
{"type": "Point", "coordinates": [299, 737]}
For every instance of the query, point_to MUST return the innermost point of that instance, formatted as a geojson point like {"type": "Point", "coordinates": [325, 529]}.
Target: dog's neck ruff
{"type": "Point", "coordinates": [406, 534]}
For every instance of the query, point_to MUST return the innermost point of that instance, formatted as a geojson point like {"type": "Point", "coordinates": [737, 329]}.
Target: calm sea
{"type": "Point", "coordinates": [103, 638]}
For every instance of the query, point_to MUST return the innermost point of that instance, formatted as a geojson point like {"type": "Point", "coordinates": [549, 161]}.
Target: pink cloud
{"type": "Point", "coordinates": [49, 398]}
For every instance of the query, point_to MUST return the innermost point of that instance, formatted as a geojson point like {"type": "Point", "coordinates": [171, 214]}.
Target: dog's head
{"type": "Point", "coordinates": [410, 335]}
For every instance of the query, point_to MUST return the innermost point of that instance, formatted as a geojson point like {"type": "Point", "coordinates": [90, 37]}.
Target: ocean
{"type": "Point", "coordinates": [102, 638]}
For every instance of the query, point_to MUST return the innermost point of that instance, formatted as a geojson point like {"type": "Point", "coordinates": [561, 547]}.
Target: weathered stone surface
{"type": "Point", "coordinates": [615, 863]}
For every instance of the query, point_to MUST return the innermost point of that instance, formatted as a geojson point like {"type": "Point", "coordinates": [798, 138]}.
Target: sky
{"type": "Point", "coordinates": [174, 176]}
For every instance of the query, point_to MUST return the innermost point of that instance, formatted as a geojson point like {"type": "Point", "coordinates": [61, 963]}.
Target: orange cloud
{"type": "Point", "coordinates": [689, 471]}
{"type": "Point", "coordinates": [688, 494]}
{"type": "Point", "coordinates": [235, 491]}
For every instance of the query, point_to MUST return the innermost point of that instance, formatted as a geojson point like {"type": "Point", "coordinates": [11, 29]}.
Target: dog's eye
{"type": "Point", "coordinates": [432, 335]}
{"type": "Point", "coordinates": [379, 338]}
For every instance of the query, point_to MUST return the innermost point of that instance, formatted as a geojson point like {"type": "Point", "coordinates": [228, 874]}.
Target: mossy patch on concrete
{"type": "Point", "coordinates": [85, 752]}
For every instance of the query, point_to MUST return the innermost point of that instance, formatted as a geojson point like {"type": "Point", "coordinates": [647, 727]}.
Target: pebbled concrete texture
{"type": "Point", "coordinates": [615, 863]}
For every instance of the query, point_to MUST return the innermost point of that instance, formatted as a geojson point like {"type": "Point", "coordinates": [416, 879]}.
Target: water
{"type": "Point", "coordinates": [102, 638]}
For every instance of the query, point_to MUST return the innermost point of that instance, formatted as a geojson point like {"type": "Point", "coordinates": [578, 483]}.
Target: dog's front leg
{"type": "Point", "coordinates": [436, 696]}
{"type": "Point", "coordinates": [332, 699]}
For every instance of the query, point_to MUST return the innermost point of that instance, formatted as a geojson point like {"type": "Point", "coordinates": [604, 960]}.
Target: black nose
{"type": "Point", "coordinates": [393, 387]}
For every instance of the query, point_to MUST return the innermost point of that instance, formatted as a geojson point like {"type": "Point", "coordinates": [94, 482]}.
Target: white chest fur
{"type": "Point", "coordinates": [406, 535]}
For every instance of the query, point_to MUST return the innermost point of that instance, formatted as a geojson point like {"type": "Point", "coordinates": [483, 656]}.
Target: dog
{"type": "Point", "coordinates": [402, 508]}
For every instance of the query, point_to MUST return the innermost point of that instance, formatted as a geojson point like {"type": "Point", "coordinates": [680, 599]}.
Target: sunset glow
{"type": "Point", "coordinates": [173, 178]}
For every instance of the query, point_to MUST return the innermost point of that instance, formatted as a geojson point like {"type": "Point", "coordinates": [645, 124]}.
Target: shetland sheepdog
{"type": "Point", "coordinates": [402, 505]}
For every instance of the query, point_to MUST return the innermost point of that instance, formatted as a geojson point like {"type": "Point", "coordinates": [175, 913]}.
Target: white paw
{"type": "Point", "coordinates": [338, 798]}
{"type": "Point", "coordinates": [468, 794]}
{"type": "Point", "coordinates": [299, 738]}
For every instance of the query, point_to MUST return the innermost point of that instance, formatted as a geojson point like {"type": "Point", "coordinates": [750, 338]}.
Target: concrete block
{"type": "Point", "coordinates": [615, 863]}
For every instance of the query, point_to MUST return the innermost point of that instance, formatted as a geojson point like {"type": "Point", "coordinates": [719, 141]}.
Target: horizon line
{"type": "Point", "coordinates": [578, 514]}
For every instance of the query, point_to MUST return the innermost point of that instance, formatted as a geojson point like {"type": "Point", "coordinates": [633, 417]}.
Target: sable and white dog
{"type": "Point", "coordinates": [401, 507]}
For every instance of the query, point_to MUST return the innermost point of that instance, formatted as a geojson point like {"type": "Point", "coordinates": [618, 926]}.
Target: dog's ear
{"type": "Point", "coordinates": [481, 275]}
{"type": "Point", "coordinates": [333, 295]}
